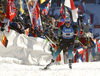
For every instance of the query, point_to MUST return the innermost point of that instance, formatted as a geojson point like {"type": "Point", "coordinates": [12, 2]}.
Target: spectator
{"type": "Point", "coordinates": [15, 26]}
{"type": "Point", "coordinates": [2, 17]}
{"type": "Point", "coordinates": [42, 35]}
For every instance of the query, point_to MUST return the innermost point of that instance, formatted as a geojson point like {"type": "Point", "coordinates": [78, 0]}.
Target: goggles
{"type": "Point", "coordinates": [67, 22]}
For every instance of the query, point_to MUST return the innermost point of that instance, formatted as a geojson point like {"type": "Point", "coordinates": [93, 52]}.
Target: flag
{"type": "Point", "coordinates": [86, 55]}
{"type": "Point", "coordinates": [26, 31]}
{"type": "Point", "coordinates": [36, 12]}
{"type": "Point", "coordinates": [30, 5]}
{"type": "Point", "coordinates": [46, 9]}
{"type": "Point", "coordinates": [98, 45]}
{"type": "Point", "coordinates": [74, 55]}
{"type": "Point", "coordinates": [21, 3]}
{"type": "Point", "coordinates": [58, 58]}
{"type": "Point", "coordinates": [95, 48]}
{"type": "Point", "coordinates": [4, 40]}
{"type": "Point", "coordinates": [42, 1]}
{"type": "Point", "coordinates": [61, 22]}
{"type": "Point", "coordinates": [36, 17]}
{"type": "Point", "coordinates": [82, 7]}
{"type": "Point", "coordinates": [80, 50]}
{"type": "Point", "coordinates": [11, 10]}
{"type": "Point", "coordinates": [62, 12]}
{"type": "Point", "coordinates": [39, 24]}
{"type": "Point", "coordinates": [70, 4]}
{"type": "Point", "coordinates": [92, 18]}
{"type": "Point", "coordinates": [80, 59]}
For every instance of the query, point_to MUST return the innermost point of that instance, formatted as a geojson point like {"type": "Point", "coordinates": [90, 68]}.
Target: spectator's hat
{"type": "Point", "coordinates": [3, 14]}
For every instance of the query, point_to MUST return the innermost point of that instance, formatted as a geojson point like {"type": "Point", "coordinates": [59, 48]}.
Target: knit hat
{"type": "Point", "coordinates": [3, 15]}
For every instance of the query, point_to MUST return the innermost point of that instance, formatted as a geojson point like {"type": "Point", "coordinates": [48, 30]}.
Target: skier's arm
{"type": "Point", "coordinates": [76, 31]}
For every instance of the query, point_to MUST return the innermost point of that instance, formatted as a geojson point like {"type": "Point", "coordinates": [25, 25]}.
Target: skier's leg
{"type": "Point", "coordinates": [65, 55]}
{"type": "Point", "coordinates": [54, 58]}
{"type": "Point", "coordinates": [70, 55]}
{"type": "Point", "coordinates": [56, 53]}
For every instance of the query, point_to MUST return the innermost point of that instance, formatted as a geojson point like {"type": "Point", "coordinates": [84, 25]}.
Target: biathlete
{"type": "Point", "coordinates": [66, 41]}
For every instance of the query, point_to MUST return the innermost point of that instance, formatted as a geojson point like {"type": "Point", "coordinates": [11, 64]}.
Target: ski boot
{"type": "Point", "coordinates": [70, 63]}
{"type": "Point", "coordinates": [51, 63]}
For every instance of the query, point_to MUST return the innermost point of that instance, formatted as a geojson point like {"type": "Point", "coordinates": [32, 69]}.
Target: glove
{"type": "Point", "coordinates": [84, 47]}
{"type": "Point", "coordinates": [77, 37]}
{"type": "Point", "coordinates": [2, 29]}
{"type": "Point", "coordinates": [60, 39]}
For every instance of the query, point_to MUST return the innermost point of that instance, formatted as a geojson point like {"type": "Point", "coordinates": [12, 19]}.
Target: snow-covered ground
{"type": "Point", "coordinates": [9, 68]}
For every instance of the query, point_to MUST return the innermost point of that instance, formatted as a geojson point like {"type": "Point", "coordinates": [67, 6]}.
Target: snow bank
{"type": "Point", "coordinates": [28, 50]}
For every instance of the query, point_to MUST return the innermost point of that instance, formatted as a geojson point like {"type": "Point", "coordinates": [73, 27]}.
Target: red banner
{"type": "Point", "coordinates": [11, 10]}
{"type": "Point", "coordinates": [36, 12]}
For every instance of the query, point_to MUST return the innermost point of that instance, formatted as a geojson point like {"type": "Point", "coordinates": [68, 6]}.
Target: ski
{"type": "Point", "coordinates": [45, 68]}
{"type": "Point", "coordinates": [48, 65]}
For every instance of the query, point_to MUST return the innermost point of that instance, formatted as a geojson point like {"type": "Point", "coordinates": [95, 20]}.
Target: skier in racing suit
{"type": "Point", "coordinates": [66, 41]}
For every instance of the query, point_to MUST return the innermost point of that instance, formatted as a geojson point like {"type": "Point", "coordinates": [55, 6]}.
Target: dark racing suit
{"type": "Point", "coordinates": [66, 40]}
